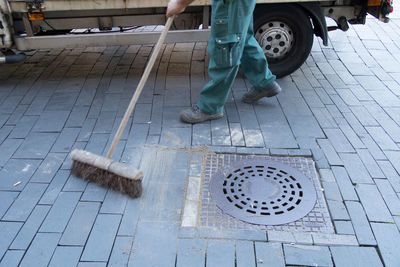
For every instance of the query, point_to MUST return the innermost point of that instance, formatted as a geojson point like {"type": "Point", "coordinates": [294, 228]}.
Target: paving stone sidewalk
{"type": "Point", "coordinates": [342, 107]}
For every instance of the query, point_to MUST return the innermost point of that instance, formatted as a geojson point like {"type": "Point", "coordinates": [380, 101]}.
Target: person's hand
{"type": "Point", "coordinates": [176, 7]}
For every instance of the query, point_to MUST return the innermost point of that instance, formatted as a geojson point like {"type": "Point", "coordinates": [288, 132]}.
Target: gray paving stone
{"type": "Point", "coordinates": [360, 223]}
{"type": "Point", "coordinates": [86, 130]}
{"type": "Point", "coordinates": [92, 264]}
{"type": "Point", "coordinates": [275, 128]}
{"type": "Point", "coordinates": [138, 135]}
{"type": "Point", "coordinates": [339, 141]}
{"type": "Point", "coordinates": [38, 104]}
{"type": "Point", "coordinates": [94, 192]}
{"type": "Point", "coordinates": [307, 255]}
{"type": "Point", "coordinates": [74, 184]}
{"type": "Point", "coordinates": [8, 231]}
{"type": "Point", "coordinates": [326, 175]}
{"type": "Point", "coordinates": [381, 138]}
{"type": "Point", "coordinates": [25, 203]}
{"type": "Point", "coordinates": [105, 122]}
{"type": "Point", "coordinates": [290, 237]}
{"type": "Point", "coordinates": [344, 183]}
{"type": "Point", "coordinates": [338, 210]}
{"type": "Point", "coordinates": [210, 233]}
{"type": "Point", "coordinates": [245, 254]}
{"type": "Point", "coordinates": [344, 227]}
{"type": "Point", "coordinates": [36, 146]}
{"type": "Point", "coordinates": [363, 116]}
{"type": "Point", "coordinates": [373, 203]}
{"type": "Point", "coordinates": [66, 140]}
{"type": "Point", "coordinates": [389, 196]}
{"type": "Point", "coordinates": [390, 174]}
{"type": "Point", "coordinates": [320, 158]}
{"type": "Point", "coordinates": [44, 245]}
{"type": "Point", "coordinates": [23, 127]}
{"type": "Point", "coordinates": [121, 251]}
{"type": "Point", "coordinates": [66, 256]}
{"type": "Point", "coordinates": [12, 258]}
{"type": "Point", "coordinates": [130, 217]}
{"type": "Point", "coordinates": [323, 239]}
{"type": "Point", "coordinates": [270, 254]}
{"type": "Point", "coordinates": [220, 253]}
{"type": "Point", "coordinates": [48, 168]}
{"type": "Point", "coordinates": [390, 127]}
{"type": "Point", "coordinates": [158, 208]}
{"type": "Point", "coordinates": [114, 203]}
{"type": "Point", "coordinates": [60, 213]}
{"type": "Point", "coordinates": [385, 98]}
{"type": "Point", "coordinates": [305, 126]}
{"type": "Point", "coordinates": [97, 143]}
{"type": "Point", "coordinates": [55, 187]}
{"type": "Point", "coordinates": [356, 169]}
{"type": "Point", "coordinates": [163, 252]}
{"type": "Point", "coordinates": [4, 132]}
{"type": "Point", "coordinates": [6, 199]}
{"type": "Point", "coordinates": [77, 117]}
{"type": "Point", "coordinates": [373, 148]}
{"type": "Point", "coordinates": [31, 226]}
{"type": "Point", "coordinates": [330, 153]}
{"type": "Point", "coordinates": [80, 224]}
{"type": "Point", "coordinates": [370, 163]}
{"type": "Point", "coordinates": [253, 138]}
{"type": "Point", "coordinates": [51, 121]}
{"type": "Point", "coordinates": [176, 137]}
{"type": "Point", "coordinates": [191, 253]}
{"type": "Point", "coordinates": [355, 256]}
{"type": "Point", "coordinates": [17, 170]}
{"type": "Point", "coordinates": [351, 135]}
{"type": "Point", "coordinates": [388, 238]}
{"type": "Point", "coordinates": [324, 118]}
{"type": "Point", "coordinates": [62, 100]}
{"type": "Point", "coordinates": [201, 134]}
{"type": "Point", "coordinates": [394, 158]}
{"type": "Point", "coordinates": [101, 239]}
{"type": "Point", "coordinates": [331, 191]}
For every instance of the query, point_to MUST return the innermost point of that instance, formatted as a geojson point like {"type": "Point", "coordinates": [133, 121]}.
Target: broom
{"type": "Point", "coordinates": [104, 170]}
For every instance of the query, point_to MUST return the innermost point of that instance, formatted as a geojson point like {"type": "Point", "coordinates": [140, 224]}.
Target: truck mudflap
{"type": "Point", "coordinates": [5, 33]}
{"type": "Point", "coordinates": [318, 19]}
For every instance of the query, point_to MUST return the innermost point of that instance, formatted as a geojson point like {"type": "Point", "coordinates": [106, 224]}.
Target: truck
{"type": "Point", "coordinates": [285, 29]}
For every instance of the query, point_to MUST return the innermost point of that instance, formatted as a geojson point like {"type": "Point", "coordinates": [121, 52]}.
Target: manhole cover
{"type": "Point", "coordinates": [263, 192]}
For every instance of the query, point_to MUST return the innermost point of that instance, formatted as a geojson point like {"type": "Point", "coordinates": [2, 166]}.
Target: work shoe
{"type": "Point", "coordinates": [254, 95]}
{"type": "Point", "coordinates": [195, 115]}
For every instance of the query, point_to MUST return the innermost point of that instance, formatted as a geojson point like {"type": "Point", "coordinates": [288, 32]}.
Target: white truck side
{"type": "Point", "coordinates": [284, 28]}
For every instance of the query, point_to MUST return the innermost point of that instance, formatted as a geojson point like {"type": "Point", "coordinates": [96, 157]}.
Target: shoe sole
{"type": "Point", "coordinates": [211, 117]}
{"type": "Point", "coordinates": [269, 93]}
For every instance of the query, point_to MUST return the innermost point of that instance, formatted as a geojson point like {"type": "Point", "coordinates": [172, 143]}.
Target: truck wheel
{"type": "Point", "coordinates": [285, 34]}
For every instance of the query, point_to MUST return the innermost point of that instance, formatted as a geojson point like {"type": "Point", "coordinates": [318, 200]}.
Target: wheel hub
{"type": "Point", "coordinates": [276, 39]}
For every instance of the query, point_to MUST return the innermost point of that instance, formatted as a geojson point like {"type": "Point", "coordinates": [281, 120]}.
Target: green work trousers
{"type": "Point", "coordinates": [232, 44]}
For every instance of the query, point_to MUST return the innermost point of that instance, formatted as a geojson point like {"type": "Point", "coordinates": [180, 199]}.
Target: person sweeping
{"type": "Point", "coordinates": [231, 44]}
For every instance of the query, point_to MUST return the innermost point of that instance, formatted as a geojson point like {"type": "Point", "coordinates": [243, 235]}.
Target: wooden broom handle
{"type": "Point", "coordinates": [140, 87]}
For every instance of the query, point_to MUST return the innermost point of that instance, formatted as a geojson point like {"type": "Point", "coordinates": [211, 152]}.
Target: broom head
{"type": "Point", "coordinates": [107, 172]}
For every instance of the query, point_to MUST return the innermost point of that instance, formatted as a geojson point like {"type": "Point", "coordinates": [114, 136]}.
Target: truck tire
{"type": "Point", "coordinates": [285, 33]}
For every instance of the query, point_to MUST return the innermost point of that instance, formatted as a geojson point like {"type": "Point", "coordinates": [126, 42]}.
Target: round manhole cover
{"type": "Point", "coordinates": [263, 192]}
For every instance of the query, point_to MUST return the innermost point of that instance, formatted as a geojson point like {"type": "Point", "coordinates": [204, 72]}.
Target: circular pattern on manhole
{"type": "Point", "coordinates": [263, 192]}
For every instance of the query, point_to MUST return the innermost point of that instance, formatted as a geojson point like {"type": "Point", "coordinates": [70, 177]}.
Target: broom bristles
{"type": "Point", "coordinates": [127, 185]}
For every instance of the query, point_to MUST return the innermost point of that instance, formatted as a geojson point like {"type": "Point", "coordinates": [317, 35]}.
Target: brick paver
{"type": "Point", "coordinates": [342, 107]}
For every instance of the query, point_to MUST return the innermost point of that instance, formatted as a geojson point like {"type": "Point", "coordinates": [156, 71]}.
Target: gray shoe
{"type": "Point", "coordinates": [254, 95]}
{"type": "Point", "coordinates": [195, 115]}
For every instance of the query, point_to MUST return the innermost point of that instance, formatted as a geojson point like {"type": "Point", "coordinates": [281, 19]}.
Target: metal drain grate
{"type": "Point", "coordinates": [317, 221]}
{"type": "Point", "coordinates": [263, 192]}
